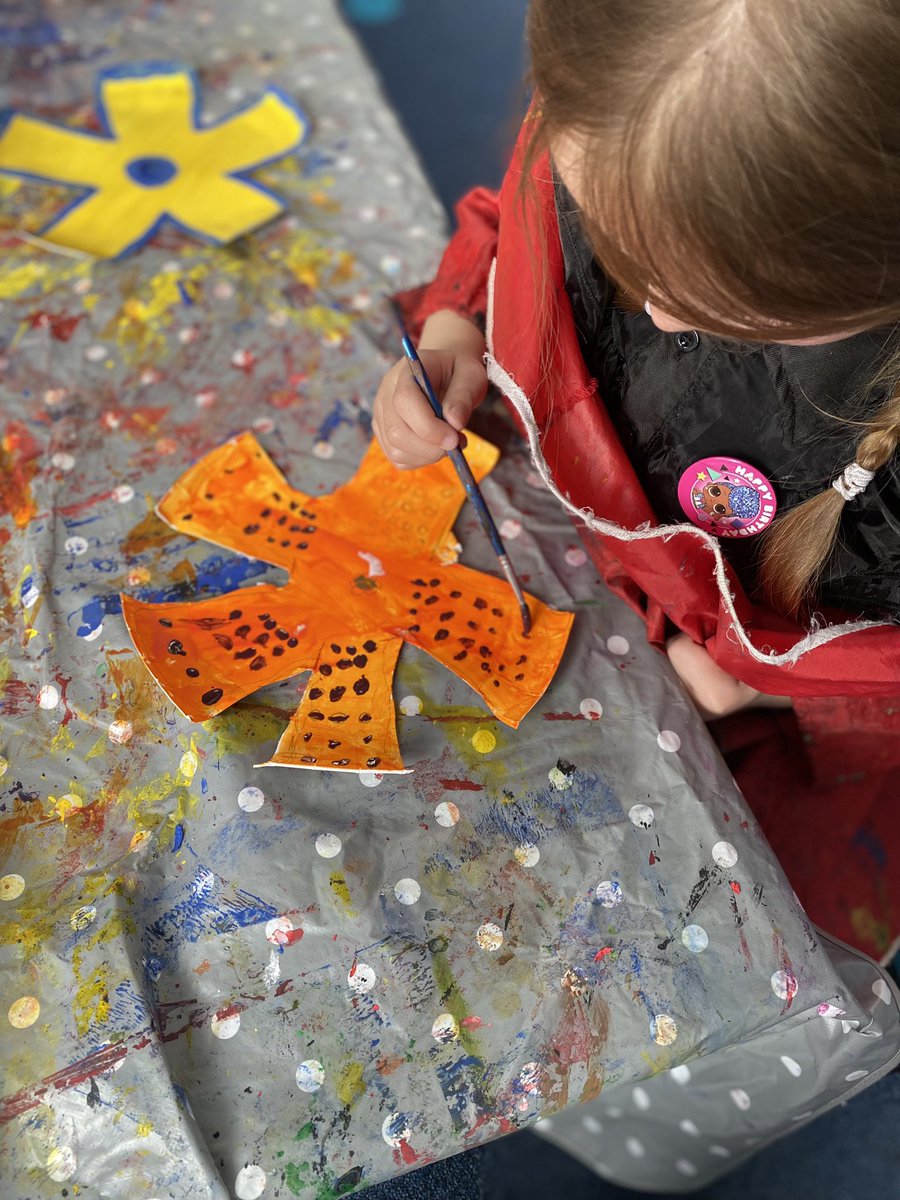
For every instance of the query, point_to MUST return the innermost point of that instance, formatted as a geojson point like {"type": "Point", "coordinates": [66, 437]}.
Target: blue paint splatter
{"type": "Point", "coordinates": [213, 576]}
{"type": "Point", "coordinates": [178, 838]}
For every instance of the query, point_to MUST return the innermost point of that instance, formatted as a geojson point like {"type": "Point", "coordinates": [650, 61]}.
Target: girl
{"type": "Point", "coordinates": [732, 447]}
{"type": "Point", "coordinates": [697, 279]}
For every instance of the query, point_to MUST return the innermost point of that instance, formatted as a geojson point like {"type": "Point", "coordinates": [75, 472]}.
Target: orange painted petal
{"type": "Point", "coordinates": [470, 622]}
{"type": "Point", "coordinates": [405, 512]}
{"type": "Point", "coordinates": [237, 498]}
{"type": "Point", "coordinates": [236, 644]}
{"type": "Point", "coordinates": [346, 721]}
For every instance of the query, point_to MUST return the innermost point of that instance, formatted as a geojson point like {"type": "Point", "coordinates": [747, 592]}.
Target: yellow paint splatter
{"type": "Point", "coordinates": [90, 1004]}
{"type": "Point", "coordinates": [338, 885]}
{"type": "Point", "coordinates": [350, 1085]}
{"type": "Point", "coordinates": [484, 741]}
{"type": "Point", "coordinates": [144, 1129]}
{"type": "Point", "coordinates": [66, 804]}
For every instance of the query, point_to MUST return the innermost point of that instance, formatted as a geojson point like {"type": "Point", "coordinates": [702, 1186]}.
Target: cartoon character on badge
{"type": "Point", "coordinates": [727, 497]}
{"type": "Point", "coordinates": [722, 501]}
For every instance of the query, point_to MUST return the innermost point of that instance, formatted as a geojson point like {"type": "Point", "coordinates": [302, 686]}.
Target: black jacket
{"type": "Point", "coordinates": [676, 398]}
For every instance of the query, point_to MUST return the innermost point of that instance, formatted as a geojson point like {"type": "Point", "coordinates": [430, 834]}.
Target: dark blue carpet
{"type": "Point", "coordinates": [453, 71]}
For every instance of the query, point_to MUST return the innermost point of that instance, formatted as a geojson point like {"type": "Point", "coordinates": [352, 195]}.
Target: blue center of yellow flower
{"type": "Point", "coordinates": [152, 170]}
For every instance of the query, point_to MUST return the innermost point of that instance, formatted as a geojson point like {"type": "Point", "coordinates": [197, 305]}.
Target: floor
{"type": "Point", "coordinates": [453, 70]}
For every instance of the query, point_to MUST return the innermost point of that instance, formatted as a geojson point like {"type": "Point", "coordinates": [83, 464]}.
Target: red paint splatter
{"type": "Point", "coordinates": [60, 327]}
{"type": "Point", "coordinates": [407, 1153]}
{"type": "Point", "coordinates": [735, 887]}
{"type": "Point", "coordinates": [230, 1010]}
{"type": "Point", "coordinates": [290, 936]}
{"type": "Point", "coordinates": [602, 953]}
{"type": "Point", "coordinates": [471, 1022]}
{"type": "Point", "coordinates": [563, 716]}
{"type": "Point", "coordinates": [653, 859]}
{"type": "Point", "coordinates": [461, 785]}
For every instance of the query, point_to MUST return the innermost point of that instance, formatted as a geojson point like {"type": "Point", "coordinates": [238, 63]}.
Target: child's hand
{"type": "Point", "coordinates": [713, 690]}
{"type": "Point", "coordinates": [407, 429]}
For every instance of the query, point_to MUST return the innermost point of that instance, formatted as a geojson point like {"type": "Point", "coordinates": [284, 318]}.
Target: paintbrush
{"type": "Point", "coordinates": [463, 470]}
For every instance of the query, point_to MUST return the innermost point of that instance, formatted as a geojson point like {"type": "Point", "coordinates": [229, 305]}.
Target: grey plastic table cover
{"type": "Point", "coordinates": [223, 981]}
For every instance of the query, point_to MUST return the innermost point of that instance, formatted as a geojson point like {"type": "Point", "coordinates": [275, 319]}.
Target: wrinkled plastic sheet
{"type": "Point", "coordinates": [220, 980]}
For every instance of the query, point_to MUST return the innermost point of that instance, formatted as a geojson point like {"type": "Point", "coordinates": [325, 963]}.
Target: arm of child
{"type": "Point", "coordinates": [714, 692]}
{"type": "Point", "coordinates": [451, 349]}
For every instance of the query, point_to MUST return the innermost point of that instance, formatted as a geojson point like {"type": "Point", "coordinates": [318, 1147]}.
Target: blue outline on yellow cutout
{"type": "Point", "coordinates": [148, 70]}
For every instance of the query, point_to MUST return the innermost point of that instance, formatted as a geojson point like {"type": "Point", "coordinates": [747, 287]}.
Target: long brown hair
{"type": "Point", "coordinates": [740, 166]}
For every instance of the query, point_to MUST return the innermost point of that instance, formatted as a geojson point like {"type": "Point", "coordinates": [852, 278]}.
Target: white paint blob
{"type": "Point", "coordinates": [370, 779]}
{"type": "Point", "coordinates": [396, 1128]}
{"type": "Point", "coordinates": [361, 978]}
{"type": "Point", "coordinates": [720, 1151]}
{"type": "Point", "coordinates": [407, 891]}
{"type": "Point", "coordinates": [681, 1075]}
{"type": "Point", "coordinates": [609, 893]}
{"type": "Point", "coordinates": [63, 461]}
{"type": "Point", "coordinates": [328, 845]}
{"type": "Point", "coordinates": [310, 1075]}
{"type": "Point", "coordinates": [591, 709]}
{"type": "Point", "coordinates": [411, 706]}
{"type": "Point", "coordinates": [561, 780]}
{"type": "Point", "coordinates": [123, 493]}
{"type": "Point", "coordinates": [685, 1168]}
{"type": "Point", "coordinates": [575, 556]}
{"type": "Point", "coordinates": [695, 938]}
{"type": "Point", "coordinates": [277, 930]}
{"type": "Point", "coordinates": [225, 1027]}
{"type": "Point", "coordinates": [510, 529]}
{"type": "Point", "coordinates": [11, 887]}
{"type": "Point", "coordinates": [724, 855]}
{"type": "Point", "coordinates": [250, 799]}
{"type": "Point", "coordinates": [668, 740]}
{"type": "Point", "coordinates": [791, 1066]}
{"type": "Point", "coordinates": [76, 545]}
{"type": "Point", "coordinates": [95, 353]}
{"type": "Point", "coordinates": [120, 732]}
{"type": "Point", "coordinates": [592, 1125]}
{"type": "Point", "coordinates": [446, 814]}
{"type": "Point", "coordinates": [663, 1029]}
{"type": "Point", "coordinates": [641, 815]}
{"type": "Point", "coordinates": [489, 936]}
{"type": "Point", "coordinates": [634, 1147]}
{"type": "Point", "coordinates": [323, 450]}
{"type": "Point", "coordinates": [61, 1164]}
{"type": "Point", "coordinates": [250, 1182]}
{"type": "Point", "coordinates": [445, 1029]}
{"type": "Point", "coordinates": [527, 855]}
{"type": "Point", "coordinates": [784, 985]}
{"type": "Point", "coordinates": [855, 1075]}
{"type": "Point", "coordinates": [687, 1126]}
{"type": "Point", "coordinates": [619, 646]}
{"type": "Point", "coordinates": [740, 1099]}
{"type": "Point", "coordinates": [48, 696]}
{"type": "Point", "coordinates": [882, 991]}
{"type": "Point", "coordinates": [641, 1099]}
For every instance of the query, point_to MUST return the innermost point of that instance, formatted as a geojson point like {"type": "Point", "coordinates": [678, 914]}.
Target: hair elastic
{"type": "Point", "coordinates": [853, 480]}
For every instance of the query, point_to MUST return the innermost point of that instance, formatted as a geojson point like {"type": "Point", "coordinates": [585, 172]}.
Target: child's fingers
{"type": "Point", "coordinates": [402, 446]}
{"type": "Point", "coordinates": [465, 391]}
{"type": "Point", "coordinates": [413, 409]}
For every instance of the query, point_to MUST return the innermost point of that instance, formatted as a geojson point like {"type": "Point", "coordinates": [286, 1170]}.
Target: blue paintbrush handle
{"type": "Point", "coordinates": [457, 457]}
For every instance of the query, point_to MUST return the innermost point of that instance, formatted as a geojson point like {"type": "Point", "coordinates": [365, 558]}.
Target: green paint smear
{"type": "Point", "coordinates": [454, 1002]}
{"type": "Point", "coordinates": [293, 1172]}
{"type": "Point", "coordinates": [241, 728]}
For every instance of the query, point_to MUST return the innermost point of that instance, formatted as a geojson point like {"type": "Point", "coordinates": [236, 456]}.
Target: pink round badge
{"type": "Point", "coordinates": [727, 497]}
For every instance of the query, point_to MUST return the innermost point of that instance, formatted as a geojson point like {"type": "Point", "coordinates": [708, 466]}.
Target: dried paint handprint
{"type": "Point", "coordinates": [153, 161]}
{"type": "Point", "coordinates": [372, 565]}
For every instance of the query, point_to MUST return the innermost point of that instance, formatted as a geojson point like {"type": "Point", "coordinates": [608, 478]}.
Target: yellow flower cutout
{"type": "Point", "coordinates": [154, 162]}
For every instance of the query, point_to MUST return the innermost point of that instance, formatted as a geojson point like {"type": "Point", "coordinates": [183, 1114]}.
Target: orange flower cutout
{"type": "Point", "coordinates": [372, 565]}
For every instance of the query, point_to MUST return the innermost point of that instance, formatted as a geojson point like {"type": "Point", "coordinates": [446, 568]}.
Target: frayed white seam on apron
{"type": "Point", "coordinates": [818, 634]}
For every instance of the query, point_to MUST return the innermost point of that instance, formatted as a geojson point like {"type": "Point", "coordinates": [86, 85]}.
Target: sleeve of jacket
{"type": "Point", "coordinates": [462, 277]}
